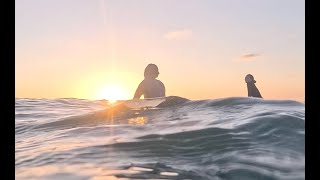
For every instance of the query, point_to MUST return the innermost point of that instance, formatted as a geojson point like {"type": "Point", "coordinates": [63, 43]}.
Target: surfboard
{"type": "Point", "coordinates": [144, 103]}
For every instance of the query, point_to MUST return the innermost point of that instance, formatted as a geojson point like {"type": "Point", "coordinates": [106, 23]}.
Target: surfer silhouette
{"type": "Point", "coordinates": [150, 87]}
{"type": "Point", "coordinates": [252, 88]}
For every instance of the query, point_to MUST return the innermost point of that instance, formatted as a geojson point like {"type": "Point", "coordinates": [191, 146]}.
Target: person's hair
{"type": "Point", "coordinates": [151, 71]}
{"type": "Point", "coordinates": [249, 76]}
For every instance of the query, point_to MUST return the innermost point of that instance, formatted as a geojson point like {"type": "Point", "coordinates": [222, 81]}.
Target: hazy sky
{"type": "Point", "coordinates": [203, 48]}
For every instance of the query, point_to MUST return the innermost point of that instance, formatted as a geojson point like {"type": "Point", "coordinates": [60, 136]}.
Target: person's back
{"type": "Point", "coordinates": [150, 87]}
{"type": "Point", "coordinates": [252, 89]}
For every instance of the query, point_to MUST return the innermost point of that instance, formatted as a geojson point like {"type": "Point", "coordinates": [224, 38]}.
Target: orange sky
{"type": "Point", "coordinates": [203, 50]}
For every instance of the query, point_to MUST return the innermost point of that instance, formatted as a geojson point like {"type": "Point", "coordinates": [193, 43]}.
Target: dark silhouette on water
{"type": "Point", "coordinates": [252, 88]}
{"type": "Point", "coordinates": [150, 87]}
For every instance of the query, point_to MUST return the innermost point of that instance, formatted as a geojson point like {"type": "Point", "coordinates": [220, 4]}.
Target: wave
{"type": "Point", "coordinates": [213, 111]}
{"type": "Point", "coordinates": [227, 138]}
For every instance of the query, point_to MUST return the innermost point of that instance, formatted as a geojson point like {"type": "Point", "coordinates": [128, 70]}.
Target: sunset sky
{"type": "Point", "coordinates": [98, 49]}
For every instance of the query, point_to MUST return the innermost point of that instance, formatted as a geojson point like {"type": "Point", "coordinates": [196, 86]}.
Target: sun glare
{"type": "Point", "coordinates": [113, 93]}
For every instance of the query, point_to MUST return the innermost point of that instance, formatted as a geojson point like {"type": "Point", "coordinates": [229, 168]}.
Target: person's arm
{"type": "Point", "coordinates": [257, 93]}
{"type": "Point", "coordinates": [249, 90]}
{"type": "Point", "coordinates": [139, 91]}
{"type": "Point", "coordinates": [164, 90]}
{"type": "Point", "coordinates": [253, 91]}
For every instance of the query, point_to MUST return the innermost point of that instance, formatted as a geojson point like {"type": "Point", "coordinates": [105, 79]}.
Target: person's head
{"type": "Point", "coordinates": [151, 71]}
{"type": "Point", "coordinates": [249, 79]}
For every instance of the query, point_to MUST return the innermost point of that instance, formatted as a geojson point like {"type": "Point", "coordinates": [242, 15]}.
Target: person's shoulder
{"type": "Point", "coordinates": [160, 82]}
{"type": "Point", "coordinates": [142, 83]}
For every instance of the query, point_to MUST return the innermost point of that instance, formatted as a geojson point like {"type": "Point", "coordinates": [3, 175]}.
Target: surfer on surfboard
{"type": "Point", "coordinates": [150, 87]}
{"type": "Point", "coordinates": [252, 88]}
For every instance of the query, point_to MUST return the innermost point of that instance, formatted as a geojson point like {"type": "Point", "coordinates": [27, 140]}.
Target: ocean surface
{"type": "Point", "coordinates": [233, 138]}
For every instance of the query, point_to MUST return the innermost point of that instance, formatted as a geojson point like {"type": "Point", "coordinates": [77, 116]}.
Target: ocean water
{"type": "Point", "coordinates": [230, 138]}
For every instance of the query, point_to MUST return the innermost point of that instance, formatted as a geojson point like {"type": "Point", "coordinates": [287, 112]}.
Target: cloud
{"type": "Point", "coordinates": [249, 57]}
{"type": "Point", "coordinates": [179, 35]}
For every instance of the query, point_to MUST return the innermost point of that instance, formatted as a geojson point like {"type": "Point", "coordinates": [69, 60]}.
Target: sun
{"type": "Point", "coordinates": [113, 93]}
